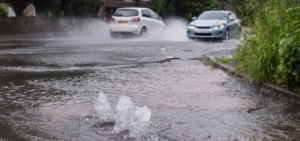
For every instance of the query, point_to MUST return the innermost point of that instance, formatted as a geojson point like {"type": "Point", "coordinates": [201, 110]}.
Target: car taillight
{"type": "Point", "coordinates": [135, 20]}
{"type": "Point", "coordinates": [112, 20]}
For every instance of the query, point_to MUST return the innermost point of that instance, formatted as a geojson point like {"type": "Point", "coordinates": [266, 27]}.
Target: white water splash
{"type": "Point", "coordinates": [140, 122]}
{"type": "Point", "coordinates": [103, 108]}
{"type": "Point", "coordinates": [127, 116]}
{"type": "Point", "coordinates": [124, 111]}
{"type": "Point", "coordinates": [175, 30]}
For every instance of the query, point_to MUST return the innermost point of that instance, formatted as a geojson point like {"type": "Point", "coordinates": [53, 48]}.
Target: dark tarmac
{"type": "Point", "coordinates": [50, 84]}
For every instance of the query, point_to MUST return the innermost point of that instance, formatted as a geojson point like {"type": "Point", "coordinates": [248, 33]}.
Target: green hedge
{"type": "Point", "coordinates": [3, 13]}
{"type": "Point", "coordinates": [84, 7]}
{"type": "Point", "coordinates": [288, 71]}
{"type": "Point", "coordinates": [273, 53]}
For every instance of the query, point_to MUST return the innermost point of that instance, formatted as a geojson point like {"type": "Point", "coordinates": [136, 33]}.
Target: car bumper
{"type": "Point", "coordinates": [209, 33]}
{"type": "Point", "coordinates": [135, 29]}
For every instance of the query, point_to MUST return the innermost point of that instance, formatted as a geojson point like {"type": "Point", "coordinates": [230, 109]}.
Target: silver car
{"type": "Point", "coordinates": [214, 24]}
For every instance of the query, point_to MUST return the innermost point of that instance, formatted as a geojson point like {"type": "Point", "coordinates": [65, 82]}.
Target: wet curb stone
{"type": "Point", "coordinates": [232, 69]}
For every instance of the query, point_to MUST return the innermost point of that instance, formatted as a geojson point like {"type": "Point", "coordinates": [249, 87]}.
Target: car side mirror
{"type": "Point", "coordinates": [194, 18]}
{"type": "Point", "coordinates": [231, 20]}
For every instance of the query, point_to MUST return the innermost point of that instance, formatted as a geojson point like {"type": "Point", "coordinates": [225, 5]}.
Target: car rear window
{"type": "Point", "coordinates": [126, 13]}
{"type": "Point", "coordinates": [213, 16]}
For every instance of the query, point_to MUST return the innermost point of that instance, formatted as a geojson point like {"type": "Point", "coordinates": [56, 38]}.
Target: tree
{"type": "Point", "coordinates": [84, 7]}
{"type": "Point", "coordinates": [55, 7]}
{"type": "Point", "coordinates": [184, 8]}
{"type": "Point", "coordinates": [164, 8]}
{"type": "Point", "coordinates": [67, 7]}
{"type": "Point", "coordinates": [3, 13]}
{"type": "Point", "coordinates": [137, 3]}
{"type": "Point", "coordinates": [245, 8]}
{"type": "Point", "coordinates": [195, 7]}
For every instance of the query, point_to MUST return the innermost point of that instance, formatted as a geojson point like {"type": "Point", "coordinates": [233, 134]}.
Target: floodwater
{"type": "Point", "coordinates": [65, 93]}
{"type": "Point", "coordinates": [188, 101]}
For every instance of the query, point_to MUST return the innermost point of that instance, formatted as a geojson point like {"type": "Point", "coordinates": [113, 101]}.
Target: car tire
{"type": "Point", "coordinates": [113, 35]}
{"type": "Point", "coordinates": [191, 38]}
{"type": "Point", "coordinates": [143, 32]}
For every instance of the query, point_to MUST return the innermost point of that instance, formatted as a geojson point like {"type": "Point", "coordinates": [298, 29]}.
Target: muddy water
{"type": "Point", "coordinates": [188, 101]}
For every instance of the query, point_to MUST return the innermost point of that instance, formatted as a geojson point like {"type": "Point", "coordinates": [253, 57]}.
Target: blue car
{"type": "Point", "coordinates": [214, 24]}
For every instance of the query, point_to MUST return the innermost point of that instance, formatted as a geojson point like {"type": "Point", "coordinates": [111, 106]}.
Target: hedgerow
{"type": "Point", "coordinates": [273, 53]}
{"type": "Point", "coordinates": [3, 13]}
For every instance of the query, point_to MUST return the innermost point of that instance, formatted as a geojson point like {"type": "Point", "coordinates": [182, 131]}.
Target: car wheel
{"type": "Point", "coordinates": [143, 32]}
{"type": "Point", "coordinates": [191, 38]}
{"type": "Point", "coordinates": [113, 35]}
{"type": "Point", "coordinates": [227, 33]}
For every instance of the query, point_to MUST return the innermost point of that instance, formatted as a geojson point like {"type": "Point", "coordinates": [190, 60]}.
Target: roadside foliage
{"type": "Point", "coordinates": [184, 8]}
{"type": "Point", "coordinates": [83, 7]}
{"type": "Point", "coordinates": [245, 9]}
{"type": "Point", "coordinates": [272, 54]}
{"type": "Point", "coordinates": [3, 13]}
{"type": "Point", "coordinates": [54, 8]}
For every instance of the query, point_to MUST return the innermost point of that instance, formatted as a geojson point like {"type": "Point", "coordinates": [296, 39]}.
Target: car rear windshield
{"type": "Point", "coordinates": [126, 13]}
{"type": "Point", "coordinates": [213, 16]}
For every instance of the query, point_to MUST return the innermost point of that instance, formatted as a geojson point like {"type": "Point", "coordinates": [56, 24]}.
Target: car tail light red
{"type": "Point", "coordinates": [135, 20]}
{"type": "Point", "coordinates": [112, 20]}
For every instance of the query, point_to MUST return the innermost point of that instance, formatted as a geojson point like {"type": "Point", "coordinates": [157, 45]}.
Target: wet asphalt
{"type": "Point", "coordinates": [49, 84]}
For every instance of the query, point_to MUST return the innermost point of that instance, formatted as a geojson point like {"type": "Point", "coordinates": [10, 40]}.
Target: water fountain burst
{"type": "Point", "coordinates": [124, 111]}
{"type": "Point", "coordinates": [140, 122]}
{"type": "Point", "coordinates": [103, 108]}
{"type": "Point", "coordinates": [126, 116]}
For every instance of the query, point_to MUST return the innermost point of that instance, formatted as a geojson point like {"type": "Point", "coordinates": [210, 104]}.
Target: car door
{"type": "Point", "coordinates": [230, 24]}
{"type": "Point", "coordinates": [158, 24]}
{"type": "Point", "coordinates": [148, 19]}
{"type": "Point", "coordinates": [234, 23]}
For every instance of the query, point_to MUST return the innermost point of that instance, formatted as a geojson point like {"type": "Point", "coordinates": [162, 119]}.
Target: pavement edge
{"type": "Point", "coordinates": [231, 69]}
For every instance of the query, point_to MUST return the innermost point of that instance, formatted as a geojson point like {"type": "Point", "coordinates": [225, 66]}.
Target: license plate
{"type": "Point", "coordinates": [203, 31]}
{"type": "Point", "coordinates": [122, 22]}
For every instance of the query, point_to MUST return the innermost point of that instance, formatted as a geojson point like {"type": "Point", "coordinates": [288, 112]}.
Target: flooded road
{"type": "Point", "coordinates": [58, 91]}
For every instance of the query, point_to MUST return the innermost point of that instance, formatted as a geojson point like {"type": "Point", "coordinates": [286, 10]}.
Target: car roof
{"type": "Point", "coordinates": [221, 11]}
{"type": "Point", "coordinates": [137, 8]}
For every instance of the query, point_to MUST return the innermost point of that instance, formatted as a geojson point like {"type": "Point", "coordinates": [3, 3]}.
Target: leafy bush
{"type": "Point", "coordinates": [164, 7]}
{"type": "Point", "coordinates": [84, 7]}
{"type": "Point", "coordinates": [272, 54]}
{"type": "Point", "coordinates": [184, 8]}
{"type": "Point", "coordinates": [245, 9]}
{"type": "Point", "coordinates": [288, 71]}
{"type": "Point", "coordinates": [3, 13]}
{"type": "Point", "coordinates": [55, 7]}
